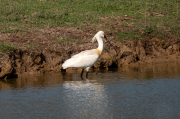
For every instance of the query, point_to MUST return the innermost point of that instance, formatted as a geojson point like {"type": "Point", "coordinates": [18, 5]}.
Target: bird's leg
{"type": "Point", "coordinates": [97, 71]}
{"type": "Point", "coordinates": [82, 78]}
{"type": "Point", "coordinates": [87, 69]}
{"type": "Point", "coordinates": [82, 72]}
{"type": "Point", "coordinates": [86, 74]}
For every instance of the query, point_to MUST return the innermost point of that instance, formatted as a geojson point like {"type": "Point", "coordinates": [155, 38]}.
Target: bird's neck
{"type": "Point", "coordinates": [100, 44]}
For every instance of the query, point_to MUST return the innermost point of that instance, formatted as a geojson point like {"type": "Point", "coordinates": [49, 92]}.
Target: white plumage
{"type": "Point", "coordinates": [87, 58]}
{"type": "Point", "coordinates": [83, 59]}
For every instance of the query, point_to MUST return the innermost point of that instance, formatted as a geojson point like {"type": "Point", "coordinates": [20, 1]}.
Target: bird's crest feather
{"type": "Point", "coordinates": [100, 33]}
{"type": "Point", "coordinates": [94, 39]}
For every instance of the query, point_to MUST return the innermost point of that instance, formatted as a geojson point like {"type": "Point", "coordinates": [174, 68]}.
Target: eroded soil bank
{"type": "Point", "coordinates": [48, 55]}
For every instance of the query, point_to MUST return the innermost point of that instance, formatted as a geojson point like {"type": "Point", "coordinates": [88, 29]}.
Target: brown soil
{"type": "Point", "coordinates": [39, 50]}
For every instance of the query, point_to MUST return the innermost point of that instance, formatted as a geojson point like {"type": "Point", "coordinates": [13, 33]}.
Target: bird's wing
{"type": "Point", "coordinates": [86, 52]}
{"type": "Point", "coordinates": [84, 59]}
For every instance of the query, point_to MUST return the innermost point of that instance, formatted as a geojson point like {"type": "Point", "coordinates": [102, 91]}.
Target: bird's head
{"type": "Point", "coordinates": [99, 34]}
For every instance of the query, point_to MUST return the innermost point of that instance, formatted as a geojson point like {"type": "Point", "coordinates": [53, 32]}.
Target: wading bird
{"type": "Point", "coordinates": [87, 58]}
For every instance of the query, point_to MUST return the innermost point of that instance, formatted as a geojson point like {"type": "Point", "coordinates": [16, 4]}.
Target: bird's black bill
{"type": "Point", "coordinates": [109, 42]}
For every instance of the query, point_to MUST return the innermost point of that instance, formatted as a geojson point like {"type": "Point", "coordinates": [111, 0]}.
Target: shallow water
{"type": "Point", "coordinates": [148, 92]}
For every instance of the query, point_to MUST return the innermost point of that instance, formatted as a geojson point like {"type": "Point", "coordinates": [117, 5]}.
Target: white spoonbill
{"type": "Point", "coordinates": [87, 58]}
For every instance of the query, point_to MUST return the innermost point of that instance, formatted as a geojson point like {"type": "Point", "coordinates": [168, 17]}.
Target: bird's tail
{"type": "Point", "coordinates": [67, 64]}
{"type": "Point", "coordinates": [64, 66]}
{"type": "Point", "coordinates": [63, 70]}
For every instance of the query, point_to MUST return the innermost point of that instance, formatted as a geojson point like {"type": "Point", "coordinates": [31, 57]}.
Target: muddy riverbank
{"type": "Point", "coordinates": [38, 52]}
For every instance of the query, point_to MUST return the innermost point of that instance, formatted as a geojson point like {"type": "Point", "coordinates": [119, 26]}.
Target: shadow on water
{"type": "Point", "coordinates": [127, 92]}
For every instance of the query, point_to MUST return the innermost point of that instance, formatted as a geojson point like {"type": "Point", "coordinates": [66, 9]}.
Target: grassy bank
{"type": "Point", "coordinates": [5, 47]}
{"type": "Point", "coordinates": [156, 18]}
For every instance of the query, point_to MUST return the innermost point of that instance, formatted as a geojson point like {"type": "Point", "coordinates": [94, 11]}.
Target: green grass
{"type": "Point", "coordinates": [62, 41]}
{"type": "Point", "coordinates": [158, 15]}
{"type": "Point", "coordinates": [31, 46]}
{"type": "Point", "coordinates": [4, 48]}
{"type": "Point", "coordinates": [126, 35]}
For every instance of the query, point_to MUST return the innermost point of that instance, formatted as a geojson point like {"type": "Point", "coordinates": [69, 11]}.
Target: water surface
{"type": "Point", "coordinates": [148, 92]}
